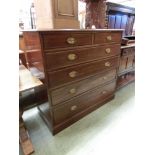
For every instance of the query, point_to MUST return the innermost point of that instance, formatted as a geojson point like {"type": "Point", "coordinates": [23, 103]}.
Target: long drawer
{"type": "Point", "coordinates": [72, 57]}
{"type": "Point", "coordinates": [77, 104]}
{"type": "Point", "coordinates": [64, 93]}
{"type": "Point", "coordinates": [107, 37]}
{"type": "Point", "coordinates": [65, 39]}
{"type": "Point", "coordinates": [70, 74]}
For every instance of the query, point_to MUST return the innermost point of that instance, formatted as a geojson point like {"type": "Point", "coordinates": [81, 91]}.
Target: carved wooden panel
{"type": "Point", "coordinates": [66, 9]}
{"type": "Point", "coordinates": [120, 17]}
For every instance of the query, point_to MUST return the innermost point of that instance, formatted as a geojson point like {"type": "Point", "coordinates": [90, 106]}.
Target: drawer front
{"type": "Point", "coordinates": [71, 107]}
{"type": "Point", "coordinates": [107, 37]}
{"type": "Point", "coordinates": [72, 57]}
{"type": "Point", "coordinates": [65, 39]}
{"type": "Point", "coordinates": [71, 74]}
{"type": "Point", "coordinates": [74, 89]}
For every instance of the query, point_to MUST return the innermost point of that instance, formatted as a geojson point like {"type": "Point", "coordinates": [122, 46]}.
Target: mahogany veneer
{"type": "Point", "coordinates": [80, 69]}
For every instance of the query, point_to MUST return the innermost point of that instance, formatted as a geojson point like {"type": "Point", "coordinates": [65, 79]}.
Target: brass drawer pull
{"type": "Point", "coordinates": [71, 40]}
{"type": "Point", "coordinates": [74, 107]}
{"type": "Point", "coordinates": [73, 74]}
{"type": "Point", "coordinates": [107, 64]}
{"type": "Point", "coordinates": [104, 92]}
{"type": "Point", "coordinates": [72, 91]}
{"type": "Point", "coordinates": [108, 50]}
{"type": "Point", "coordinates": [72, 56]}
{"type": "Point", "coordinates": [109, 38]}
{"type": "Point", "coordinates": [104, 77]}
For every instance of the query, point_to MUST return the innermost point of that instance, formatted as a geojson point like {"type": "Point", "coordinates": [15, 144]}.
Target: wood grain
{"type": "Point", "coordinates": [64, 111]}
{"type": "Point", "coordinates": [64, 93]}
{"type": "Point", "coordinates": [80, 70]}
{"type": "Point", "coordinates": [61, 77]}
{"type": "Point", "coordinates": [60, 59]}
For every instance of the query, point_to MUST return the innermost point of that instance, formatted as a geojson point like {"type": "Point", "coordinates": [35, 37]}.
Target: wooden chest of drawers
{"type": "Point", "coordinates": [80, 70]}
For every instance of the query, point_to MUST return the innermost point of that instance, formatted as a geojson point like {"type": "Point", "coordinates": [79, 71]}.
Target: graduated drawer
{"type": "Point", "coordinates": [65, 39]}
{"type": "Point", "coordinates": [78, 72]}
{"type": "Point", "coordinates": [80, 103]}
{"type": "Point", "coordinates": [76, 88]}
{"type": "Point", "coordinates": [72, 57]}
{"type": "Point", "coordinates": [107, 37]}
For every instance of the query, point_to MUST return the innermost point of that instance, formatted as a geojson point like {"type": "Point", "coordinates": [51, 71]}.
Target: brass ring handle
{"type": "Point", "coordinates": [71, 40]}
{"type": "Point", "coordinates": [71, 56]}
{"type": "Point", "coordinates": [72, 74]}
{"type": "Point", "coordinates": [104, 92]}
{"type": "Point", "coordinates": [108, 50]}
{"type": "Point", "coordinates": [72, 91]}
{"type": "Point", "coordinates": [74, 107]}
{"type": "Point", "coordinates": [109, 38]}
{"type": "Point", "coordinates": [107, 64]}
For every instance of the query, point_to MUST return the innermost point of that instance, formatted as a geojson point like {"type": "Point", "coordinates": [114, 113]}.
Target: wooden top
{"type": "Point", "coordinates": [73, 30]}
{"type": "Point", "coordinates": [120, 8]}
{"type": "Point", "coordinates": [27, 80]}
{"type": "Point", "coordinates": [21, 52]}
{"type": "Point", "coordinates": [129, 45]}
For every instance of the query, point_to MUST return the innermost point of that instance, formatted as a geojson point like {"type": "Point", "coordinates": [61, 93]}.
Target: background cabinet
{"type": "Point", "coordinates": [126, 71]}
{"type": "Point", "coordinates": [120, 17]}
{"type": "Point", "coordinates": [123, 17]}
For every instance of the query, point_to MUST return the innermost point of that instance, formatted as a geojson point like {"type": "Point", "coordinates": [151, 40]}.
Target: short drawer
{"type": "Point", "coordinates": [70, 74]}
{"type": "Point", "coordinates": [80, 103]}
{"type": "Point", "coordinates": [107, 37]}
{"type": "Point", "coordinates": [72, 57]}
{"type": "Point", "coordinates": [65, 39]}
{"type": "Point", "coordinates": [64, 93]}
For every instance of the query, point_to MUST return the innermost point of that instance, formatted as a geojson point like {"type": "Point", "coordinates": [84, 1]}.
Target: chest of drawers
{"type": "Point", "coordinates": [80, 69]}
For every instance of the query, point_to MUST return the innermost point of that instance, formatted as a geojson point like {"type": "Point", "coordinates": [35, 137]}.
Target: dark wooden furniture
{"type": "Point", "coordinates": [126, 72]}
{"type": "Point", "coordinates": [26, 82]}
{"type": "Point", "coordinates": [123, 17]}
{"type": "Point", "coordinates": [33, 61]}
{"type": "Point", "coordinates": [120, 17]}
{"type": "Point", "coordinates": [22, 56]}
{"type": "Point", "coordinates": [80, 69]}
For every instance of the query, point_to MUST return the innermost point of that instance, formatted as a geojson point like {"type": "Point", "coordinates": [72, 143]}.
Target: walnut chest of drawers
{"type": "Point", "coordinates": [80, 69]}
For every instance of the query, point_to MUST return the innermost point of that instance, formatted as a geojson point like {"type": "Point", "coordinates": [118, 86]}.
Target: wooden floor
{"type": "Point", "coordinates": [104, 130]}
